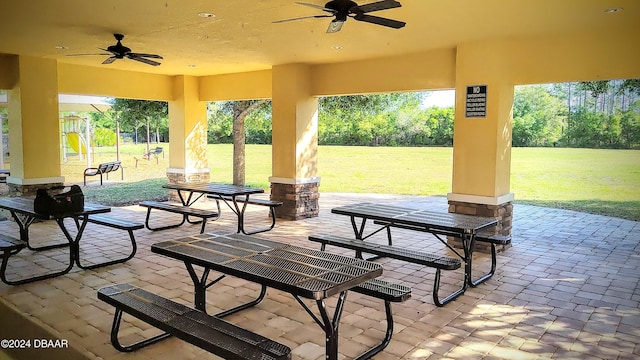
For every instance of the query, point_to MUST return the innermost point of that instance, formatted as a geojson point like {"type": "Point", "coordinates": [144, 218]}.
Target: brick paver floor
{"type": "Point", "coordinates": [566, 289]}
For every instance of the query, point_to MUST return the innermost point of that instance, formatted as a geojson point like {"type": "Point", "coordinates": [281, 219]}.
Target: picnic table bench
{"type": "Point", "coordinates": [485, 236]}
{"type": "Point", "coordinates": [417, 257]}
{"type": "Point", "coordinates": [388, 292]}
{"type": "Point", "coordinates": [184, 210]}
{"type": "Point", "coordinates": [115, 223]}
{"type": "Point", "coordinates": [208, 332]}
{"type": "Point", "coordinates": [104, 169]}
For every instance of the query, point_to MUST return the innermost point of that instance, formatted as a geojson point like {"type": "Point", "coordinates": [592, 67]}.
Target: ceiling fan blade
{"type": "Point", "coordinates": [380, 21]}
{"type": "Point", "coordinates": [317, 7]}
{"type": "Point", "coordinates": [109, 60]}
{"type": "Point", "coordinates": [153, 56]}
{"type": "Point", "coordinates": [377, 6]}
{"type": "Point", "coordinates": [143, 60]}
{"type": "Point", "coordinates": [302, 18]}
{"type": "Point", "coordinates": [102, 54]}
{"type": "Point", "coordinates": [335, 26]}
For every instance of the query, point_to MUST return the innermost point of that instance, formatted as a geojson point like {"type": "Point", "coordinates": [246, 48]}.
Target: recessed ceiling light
{"type": "Point", "coordinates": [61, 47]}
{"type": "Point", "coordinates": [337, 47]}
{"type": "Point", "coordinates": [206, 15]}
{"type": "Point", "coordinates": [612, 10]}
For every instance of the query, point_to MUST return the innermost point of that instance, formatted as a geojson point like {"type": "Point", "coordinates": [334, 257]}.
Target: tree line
{"type": "Point", "coordinates": [597, 114]}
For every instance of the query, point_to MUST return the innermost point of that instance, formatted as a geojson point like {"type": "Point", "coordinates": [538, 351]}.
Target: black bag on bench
{"type": "Point", "coordinates": [66, 202]}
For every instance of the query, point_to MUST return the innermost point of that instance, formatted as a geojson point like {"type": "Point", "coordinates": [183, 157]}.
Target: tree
{"type": "Point", "coordinates": [240, 111]}
{"type": "Point", "coordinates": [364, 119]}
{"type": "Point", "coordinates": [227, 124]}
{"type": "Point", "coordinates": [537, 119]}
{"type": "Point", "coordinates": [132, 113]}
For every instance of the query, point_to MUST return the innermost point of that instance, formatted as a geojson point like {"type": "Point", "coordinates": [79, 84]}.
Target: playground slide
{"type": "Point", "coordinates": [75, 141]}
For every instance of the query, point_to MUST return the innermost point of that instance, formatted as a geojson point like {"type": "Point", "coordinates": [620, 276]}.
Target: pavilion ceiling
{"type": "Point", "coordinates": [241, 36]}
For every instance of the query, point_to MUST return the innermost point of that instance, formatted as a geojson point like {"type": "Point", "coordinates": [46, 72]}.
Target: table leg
{"type": "Point", "coordinates": [188, 202]}
{"type": "Point", "coordinates": [72, 259]}
{"type": "Point", "coordinates": [74, 241]}
{"type": "Point", "coordinates": [359, 233]}
{"type": "Point", "coordinates": [471, 242]}
{"type": "Point", "coordinates": [200, 286]}
{"type": "Point", "coordinates": [24, 222]}
{"type": "Point", "coordinates": [328, 324]}
{"type": "Point", "coordinates": [237, 210]}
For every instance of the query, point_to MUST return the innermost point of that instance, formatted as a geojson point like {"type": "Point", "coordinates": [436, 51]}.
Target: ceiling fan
{"type": "Point", "coordinates": [119, 51]}
{"type": "Point", "coordinates": [341, 9]}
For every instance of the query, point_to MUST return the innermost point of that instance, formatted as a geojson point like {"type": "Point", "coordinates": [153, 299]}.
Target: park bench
{"type": "Point", "coordinates": [3, 175]}
{"type": "Point", "coordinates": [438, 262]}
{"type": "Point", "coordinates": [185, 211]}
{"type": "Point", "coordinates": [120, 224]}
{"type": "Point", "coordinates": [153, 153]}
{"type": "Point", "coordinates": [208, 332]}
{"type": "Point", "coordinates": [103, 169]}
{"type": "Point", "coordinates": [272, 204]}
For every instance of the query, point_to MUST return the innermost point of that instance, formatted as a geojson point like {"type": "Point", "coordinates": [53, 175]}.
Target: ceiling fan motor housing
{"type": "Point", "coordinates": [342, 8]}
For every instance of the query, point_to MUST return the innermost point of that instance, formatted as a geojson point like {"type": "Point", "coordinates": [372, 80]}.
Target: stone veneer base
{"type": "Point", "coordinates": [503, 213]}
{"type": "Point", "coordinates": [29, 190]}
{"type": "Point", "coordinates": [299, 201]}
{"type": "Point", "coordinates": [182, 178]}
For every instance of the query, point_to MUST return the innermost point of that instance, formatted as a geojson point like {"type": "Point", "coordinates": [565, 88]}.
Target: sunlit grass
{"type": "Point", "coordinates": [597, 181]}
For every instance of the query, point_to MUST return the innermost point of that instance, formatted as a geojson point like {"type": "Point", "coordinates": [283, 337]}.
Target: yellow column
{"type": "Point", "coordinates": [188, 133]}
{"type": "Point", "coordinates": [295, 142]}
{"type": "Point", "coordinates": [482, 143]}
{"type": "Point", "coordinates": [34, 127]}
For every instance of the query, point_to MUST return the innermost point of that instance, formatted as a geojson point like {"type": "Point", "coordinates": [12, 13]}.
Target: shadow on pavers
{"type": "Point", "coordinates": [42, 341]}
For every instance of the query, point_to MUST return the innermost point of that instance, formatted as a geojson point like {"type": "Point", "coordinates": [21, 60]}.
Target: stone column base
{"type": "Point", "coordinates": [503, 213]}
{"type": "Point", "coordinates": [299, 201]}
{"type": "Point", "coordinates": [30, 190]}
{"type": "Point", "coordinates": [181, 176]}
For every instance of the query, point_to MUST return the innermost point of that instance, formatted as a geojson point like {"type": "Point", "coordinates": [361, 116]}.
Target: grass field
{"type": "Point", "coordinates": [598, 181]}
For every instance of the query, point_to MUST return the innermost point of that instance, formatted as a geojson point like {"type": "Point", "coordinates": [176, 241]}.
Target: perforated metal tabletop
{"type": "Point", "coordinates": [300, 271]}
{"type": "Point", "coordinates": [428, 220]}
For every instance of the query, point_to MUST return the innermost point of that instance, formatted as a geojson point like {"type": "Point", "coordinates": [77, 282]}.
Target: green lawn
{"type": "Point", "coordinates": [598, 181]}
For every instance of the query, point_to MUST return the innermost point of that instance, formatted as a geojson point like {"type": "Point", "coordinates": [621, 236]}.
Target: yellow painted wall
{"type": "Point", "coordinates": [33, 120]}
{"type": "Point", "coordinates": [482, 146]}
{"type": "Point", "coordinates": [241, 86]}
{"type": "Point", "coordinates": [295, 123]}
{"type": "Point", "coordinates": [87, 80]}
{"type": "Point", "coordinates": [413, 72]}
{"type": "Point", "coordinates": [187, 125]}
{"type": "Point", "coordinates": [596, 56]}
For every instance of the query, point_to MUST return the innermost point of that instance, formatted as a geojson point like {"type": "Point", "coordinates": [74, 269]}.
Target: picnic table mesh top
{"type": "Point", "coordinates": [301, 271]}
{"type": "Point", "coordinates": [415, 217]}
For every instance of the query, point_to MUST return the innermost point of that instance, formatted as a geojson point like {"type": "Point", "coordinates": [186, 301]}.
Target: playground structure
{"type": "Point", "coordinates": [76, 137]}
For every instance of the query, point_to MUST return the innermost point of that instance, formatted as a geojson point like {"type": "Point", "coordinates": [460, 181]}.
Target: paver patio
{"type": "Point", "coordinates": [567, 289]}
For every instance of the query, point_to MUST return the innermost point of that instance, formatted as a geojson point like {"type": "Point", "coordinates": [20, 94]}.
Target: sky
{"type": "Point", "coordinates": [440, 98]}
